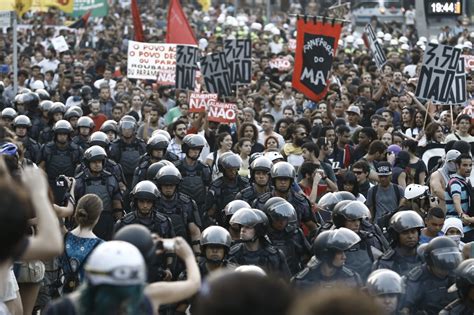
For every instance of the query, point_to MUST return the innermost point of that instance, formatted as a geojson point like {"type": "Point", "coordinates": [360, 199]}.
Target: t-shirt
{"type": "Point", "coordinates": [385, 200]}
{"type": "Point", "coordinates": [456, 136]}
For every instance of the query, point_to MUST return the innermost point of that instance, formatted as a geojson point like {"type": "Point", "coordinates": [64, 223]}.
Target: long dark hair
{"type": "Point", "coordinates": [351, 178]}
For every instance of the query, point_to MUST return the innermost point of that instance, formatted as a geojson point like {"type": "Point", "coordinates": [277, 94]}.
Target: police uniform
{"type": "Point", "coordinates": [81, 141]}
{"type": "Point", "coordinates": [106, 187]}
{"type": "Point", "coordinates": [425, 292]}
{"type": "Point", "coordinates": [145, 161]}
{"type": "Point", "coordinates": [394, 261]}
{"type": "Point", "coordinates": [248, 194]}
{"type": "Point", "coordinates": [32, 149]}
{"type": "Point", "coordinates": [155, 222]}
{"type": "Point", "coordinates": [128, 156]}
{"type": "Point", "coordinates": [457, 307]}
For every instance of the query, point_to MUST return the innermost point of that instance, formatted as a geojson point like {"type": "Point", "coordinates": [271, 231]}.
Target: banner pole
{"type": "Point", "coordinates": [15, 53]}
{"type": "Point", "coordinates": [321, 18]}
{"type": "Point", "coordinates": [452, 117]}
{"type": "Point", "coordinates": [426, 115]}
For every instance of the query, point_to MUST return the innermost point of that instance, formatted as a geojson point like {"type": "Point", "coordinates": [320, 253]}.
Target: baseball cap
{"type": "Point", "coordinates": [353, 109]}
{"type": "Point", "coordinates": [452, 155]}
{"type": "Point", "coordinates": [393, 148]}
{"type": "Point", "coordinates": [384, 169]}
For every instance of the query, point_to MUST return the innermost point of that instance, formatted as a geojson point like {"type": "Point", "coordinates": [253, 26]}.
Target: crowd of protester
{"type": "Point", "coordinates": [116, 199]}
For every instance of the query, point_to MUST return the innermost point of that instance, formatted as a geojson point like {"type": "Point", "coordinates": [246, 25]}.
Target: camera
{"type": "Point", "coordinates": [167, 245]}
{"type": "Point", "coordinates": [62, 181]}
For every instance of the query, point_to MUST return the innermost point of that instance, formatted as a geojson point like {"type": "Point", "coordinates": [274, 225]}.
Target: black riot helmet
{"type": "Point", "coordinates": [127, 122]}
{"type": "Point", "coordinates": [9, 113]}
{"type": "Point", "coordinates": [344, 195]}
{"type": "Point", "coordinates": [57, 107]}
{"type": "Point", "coordinates": [153, 169]}
{"type": "Point", "coordinates": [404, 221]}
{"type": "Point", "coordinates": [329, 243]}
{"type": "Point", "coordinates": [144, 190]}
{"type": "Point", "coordinates": [45, 105]}
{"type": "Point", "coordinates": [353, 210]}
{"type": "Point", "coordinates": [270, 202]}
{"type": "Point", "coordinates": [193, 141]}
{"type": "Point", "coordinates": [22, 121]}
{"type": "Point", "coordinates": [43, 94]}
{"type": "Point", "coordinates": [157, 142]}
{"type": "Point", "coordinates": [443, 253]}
{"type": "Point", "coordinates": [95, 153]}
{"type": "Point", "coordinates": [229, 160]}
{"type": "Point", "coordinates": [327, 202]}
{"type": "Point", "coordinates": [465, 277]}
{"type": "Point", "coordinates": [232, 208]}
{"type": "Point", "coordinates": [283, 170]}
{"type": "Point", "coordinates": [168, 175]}
{"type": "Point", "coordinates": [255, 156]}
{"type": "Point", "coordinates": [73, 112]}
{"type": "Point", "coordinates": [384, 281]}
{"type": "Point", "coordinates": [283, 211]}
{"type": "Point", "coordinates": [109, 125]}
{"type": "Point", "coordinates": [85, 122]}
{"type": "Point", "coordinates": [99, 138]}
{"type": "Point", "coordinates": [139, 236]}
{"type": "Point", "coordinates": [31, 101]}
{"type": "Point", "coordinates": [251, 218]}
{"type": "Point", "coordinates": [62, 126]}
{"type": "Point", "coordinates": [260, 164]}
{"type": "Point", "coordinates": [215, 236]}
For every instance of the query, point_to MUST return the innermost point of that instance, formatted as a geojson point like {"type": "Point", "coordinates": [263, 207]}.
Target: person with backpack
{"type": "Point", "coordinates": [80, 242]}
{"type": "Point", "coordinates": [385, 197]}
{"type": "Point", "coordinates": [459, 195]}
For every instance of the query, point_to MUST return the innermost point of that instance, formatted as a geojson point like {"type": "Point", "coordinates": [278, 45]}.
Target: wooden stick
{"type": "Point", "coordinates": [426, 115]}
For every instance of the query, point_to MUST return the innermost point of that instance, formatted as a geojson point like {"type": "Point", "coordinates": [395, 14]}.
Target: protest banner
{"type": "Point", "coordinates": [438, 71]}
{"type": "Point", "coordinates": [222, 112]}
{"type": "Point", "coordinates": [187, 58]}
{"type": "Point", "coordinates": [280, 63]}
{"type": "Point", "coordinates": [238, 54]}
{"type": "Point", "coordinates": [216, 74]}
{"type": "Point", "coordinates": [152, 62]}
{"type": "Point", "coordinates": [60, 44]}
{"type": "Point", "coordinates": [200, 102]}
{"type": "Point", "coordinates": [98, 8]}
{"type": "Point", "coordinates": [316, 45]}
{"type": "Point", "coordinates": [458, 94]}
{"type": "Point", "coordinates": [374, 46]}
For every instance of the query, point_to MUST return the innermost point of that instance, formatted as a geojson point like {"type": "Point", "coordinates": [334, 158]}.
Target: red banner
{"type": "Point", "coordinates": [222, 112]}
{"type": "Point", "coordinates": [316, 44]}
{"type": "Point", "coordinates": [178, 30]}
{"type": "Point", "coordinates": [201, 102]}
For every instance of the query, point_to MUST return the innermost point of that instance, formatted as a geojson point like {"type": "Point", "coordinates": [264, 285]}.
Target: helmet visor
{"type": "Point", "coordinates": [446, 259]}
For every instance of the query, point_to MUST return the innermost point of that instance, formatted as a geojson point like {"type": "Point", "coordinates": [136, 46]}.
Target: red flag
{"type": "Point", "coordinates": [82, 22]}
{"type": "Point", "coordinates": [137, 22]}
{"type": "Point", "coordinates": [178, 30]}
{"type": "Point", "coordinates": [316, 44]}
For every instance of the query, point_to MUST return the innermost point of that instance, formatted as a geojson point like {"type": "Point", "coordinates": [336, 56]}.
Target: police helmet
{"type": "Point", "coordinates": [344, 195]}
{"type": "Point", "coordinates": [99, 138]}
{"type": "Point", "coordinates": [193, 141]}
{"type": "Point", "coordinates": [145, 190]}
{"type": "Point", "coordinates": [328, 243]}
{"type": "Point", "coordinates": [127, 122]}
{"type": "Point", "coordinates": [283, 170]}
{"type": "Point", "coordinates": [443, 253]}
{"type": "Point", "coordinates": [18, 100]}
{"type": "Point", "coordinates": [261, 163]}
{"type": "Point", "coordinates": [465, 277]}
{"type": "Point", "coordinates": [109, 125]}
{"type": "Point", "coordinates": [85, 122]}
{"type": "Point", "coordinates": [216, 235]}
{"type": "Point", "coordinates": [251, 218]}
{"type": "Point", "coordinates": [153, 169]}
{"type": "Point", "coordinates": [405, 220]}
{"type": "Point", "coordinates": [43, 94]}
{"type": "Point", "coordinates": [57, 107]}
{"type": "Point", "coordinates": [229, 160]}
{"type": "Point", "coordinates": [22, 121]}
{"type": "Point", "coordinates": [161, 132]}
{"type": "Point", "coordinates": [95, 153]}
{"type": "Point", "coordinates": [327, 202]}
{"type": "Point", "coordinates": [73, 111]}
{"type": "Point", "coordinates": [139, 236]}
{"type": "Point", "coordinates": [31, 101]}
{"type": "Point", "coordinates": [157, 142]}
{"type": "Point", "coordinates": [168, 175]}
{"type": "Point", "coordinates": [384, 281]}
{"type": "Point", "coordinates": [283, 210]}
{"type": "Point", "coordinates": [353, 210]}
{"type": "Point", "coordinates": [37, 85]}
{"type": "Point", "coordinates": [115, 263]}
{"type": "Point", "coordinates": [270, 202]}
{"type": "Point", "coordinates": [62, 126]}
{"type": "Point", "coordinates": [232, 208]}
{"type": "Point", "coordinates": [45, 105]}
{"type": "Point", "coordinates": [9, 113]}
{"type": "Point", "coordinates": [255, 156]}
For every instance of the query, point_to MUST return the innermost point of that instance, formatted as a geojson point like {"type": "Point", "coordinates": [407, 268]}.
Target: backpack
{"type": "Point", "coordinates": [71, 279]}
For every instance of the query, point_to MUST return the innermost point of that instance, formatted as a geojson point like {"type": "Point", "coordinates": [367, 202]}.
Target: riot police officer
{"type": "Point", "coordinates": [180, 208]}
{"type": "Point", "coordinates": [228, 212]}
{"type": "Point", "coordinates": [156, 150]}
{"type": "Point", "coordinates": [85, 125]}
{"type": "Point", "coordinates": [404, 231]}
{"type": "Point", "coordinates": [96, 180]}
{"type": "Point", "coordinates": [196, 175]}
{"type": "Point", "coordinates": [30, 102]}
{"type": "Point", "coordinates": [259, 178]}
{"type": "Point", "coordinates": [72, 115]}
{"type": "Point", "coordinates": [327, 267]}
{"type": "Point", "coordinates": [225, 188]}
{"type": "Point", "coordinates": [286, 235]}
{"type": "Point", "coordinates": [465, 287]}
{"type": "Point", "coordinates": [427, 285]}
{"type": "Point", "coordinates": [55, 114]}
{"type": "Point", "coordinates": [32, 149]}
{"type": "Point", "coordinates": [283, 175]}
{"type": "Point", "coordinates": [361, 256]}
{"type": "Point", "coordinates": [111, 129]}
{"type": "Point", "coordinates": [60, 157]}
{"type": "Point", "coordinates": [8, 115]}
{"type": "Point", "coordinates": [253, 248]}
{"type": "Point", "coordinates": [154, 168]}
{"type": "Point", "coordinates": [387, 287]}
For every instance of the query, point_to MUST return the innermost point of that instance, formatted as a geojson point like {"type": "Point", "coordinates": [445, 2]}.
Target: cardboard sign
{"type": "Point", "coordinates": [6, 18]}
{"type": "Point", "coordinates": [377, 51]}
{"type": "Point", "coordinates": [238, 54]}
{"type": "Point", "coordinates": [458, 93]}
{"type": "Point", "coordinates": [59, 44]}
{"type": "Point", "coordinates": [199, 102]}
{"type": "Point", "coordinates": [281, 63]}
{"type": "Point", "coordinates": [222, 112]}
{"type": "Point", "coordinates": [438, 72]}
{"type": "Point", "coordinates": [216, 74]}
{"type": "Point", "coordinates": [152, 62]}
{"type": "Point", "coordinates": [187, 58]}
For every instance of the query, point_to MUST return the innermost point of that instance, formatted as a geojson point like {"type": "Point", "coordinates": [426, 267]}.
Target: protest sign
{"type": "Point", "coordinates": [316, 45]}
{"type": "Point", "coordinates": [98, 8]}
{"type": "Point", "coordinates": [187, 58]}
{"type": "Point", "coordinates": [280, 63]}
{"type": "Point", "coordinates": [216, 74]}
{"type": "Point", "coordinates": [375, 48]}
{"type": "Point", "coordinates": [458, 94]}
{"type": "Point", "coordinates": [238, 54]}
{"type": "Point", "coordinates": [200, 102]}
{"type": "Point", "coordinates": [222, 112]}
{"type": "Point", "coordinates": [152, 62]}
{"type": "Point", "coordinates": [438, 72]}
{"type": "Point", "coordinates": [59, 44]}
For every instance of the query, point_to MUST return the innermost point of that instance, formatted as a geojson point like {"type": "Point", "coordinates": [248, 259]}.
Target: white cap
{"type": "Point", "coordinates": [394, 42]}
{"type": "Point", "coordinates": [275, 31]}
{"type": "Point", "coordinates": [380, 34]}
{"type": "Point", "coordinates": [419, 43]}
{"type": "Point", "coordinates": [387, 37]}
{"type": "Point", "coordinates": [269, 27]}
{"type": "Point", "coordinates": [403, 39]}
{"type": "Point", "coordinates": [452, 155]}
{"type": "Point", "coordinates": [434, 41]}
{"type": "Point", "coordinates": [468, 44]}
{"type": "Point", "coordinates": [405, 47]}
{"type": "Point", "coordinates": [256, 26]}
{"type": "Point", "coordinates": [423, 39]}
{"type": "Point", "coordinates": [359, 42]}
{"type": "Point", "coordinates": [349, 39]}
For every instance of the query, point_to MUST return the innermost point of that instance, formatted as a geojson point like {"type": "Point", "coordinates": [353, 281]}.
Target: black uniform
{"type": "Point", "coordinates": [268, 258]}
{"type": "Point", "coordinates": [311, 276]}
{"type": "Point", "coordinates": [394, 261]}
{"type": "Point", "coordinates": [81, 141]}
{"type": "Point", "coordinates": [155, 222]}
{"type": "Point", "coordinates": [145, 161]}
{"type": "Point", "coordinates": [426, 292]}
{"type": "Point", "coordinates": [457, 308]}
{"type": "Point", "coordinates": [196, 180]}
{"type": "Point", "coordinates": [32, 149]}
{"type": "Point", "coordinates": [248, 194]}
{"type": "Point", "coordinates": [107, 188]}
{"type": "Point", "coordinates": [128, 156]}
{"type": "Point", "coordinates": [110, 166]}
